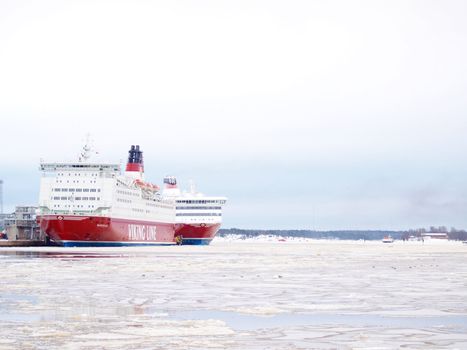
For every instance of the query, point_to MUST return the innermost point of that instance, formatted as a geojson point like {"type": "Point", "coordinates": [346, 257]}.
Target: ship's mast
{"type": "Point", "coordinates": [87, 150]}
{"type": "Point", "coordinates": [192, 187]}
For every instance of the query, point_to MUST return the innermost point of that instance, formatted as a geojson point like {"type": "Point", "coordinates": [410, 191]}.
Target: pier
{"type": "Point", "coordinates": [22, 243]}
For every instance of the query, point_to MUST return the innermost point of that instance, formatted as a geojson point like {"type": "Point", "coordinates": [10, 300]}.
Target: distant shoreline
{"type": "Point", "coordinates": [370, 235]}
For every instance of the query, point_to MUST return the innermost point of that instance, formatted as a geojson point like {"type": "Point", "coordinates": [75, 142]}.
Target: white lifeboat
{"type": "Point", "coordinates": [146, 186]}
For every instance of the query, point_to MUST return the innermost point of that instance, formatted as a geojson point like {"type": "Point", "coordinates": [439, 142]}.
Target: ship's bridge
{"type": "Point", "coordinates": [77, 188]}
{"type": "Point", "coordinates": [54, 167]}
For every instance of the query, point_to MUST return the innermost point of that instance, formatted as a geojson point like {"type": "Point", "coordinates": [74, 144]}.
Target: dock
{"type": "Point", "coordinates": [22, 243]}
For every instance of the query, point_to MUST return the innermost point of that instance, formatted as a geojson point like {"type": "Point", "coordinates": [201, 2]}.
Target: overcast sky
{"type": "Point", "coordinates": [305, 114]}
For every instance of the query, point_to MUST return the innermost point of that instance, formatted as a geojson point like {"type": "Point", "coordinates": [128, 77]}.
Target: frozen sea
{"type": "Point", "coordinates": [262, 294]}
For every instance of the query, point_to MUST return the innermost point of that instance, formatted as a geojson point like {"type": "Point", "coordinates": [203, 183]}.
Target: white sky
{"type": "Point", "coordinates": [306, 114]}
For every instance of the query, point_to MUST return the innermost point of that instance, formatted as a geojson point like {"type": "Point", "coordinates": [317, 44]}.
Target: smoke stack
{"type": "Point", "coordinates": [135, 159]}
{"type": "Point", "coordinates": [170, 182]}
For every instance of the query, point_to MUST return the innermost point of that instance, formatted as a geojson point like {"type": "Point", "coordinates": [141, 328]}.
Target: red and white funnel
{"type": "Point", "coordinates": [170, 186]}
{"type": "Point", "coordinates": [135, 167]}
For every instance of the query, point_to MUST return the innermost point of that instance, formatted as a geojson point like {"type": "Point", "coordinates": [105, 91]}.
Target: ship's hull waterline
{"type": "Point", "coordinates": [197, 234]}
{"type": "Point", "coordinates": [75, 231]}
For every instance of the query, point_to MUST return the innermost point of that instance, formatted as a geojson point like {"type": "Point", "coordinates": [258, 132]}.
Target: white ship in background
{"type": "Point", "coordinates": [198, 217]}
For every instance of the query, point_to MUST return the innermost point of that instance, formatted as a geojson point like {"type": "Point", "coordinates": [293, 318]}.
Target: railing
{"type": "Point", "coordinates": [26, 223]}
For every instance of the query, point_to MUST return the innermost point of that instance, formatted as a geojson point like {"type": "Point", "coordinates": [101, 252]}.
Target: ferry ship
{"type": "Point", "coordinates": [198, 217]}
{"type": "Point", "coordinates": [93, 204]}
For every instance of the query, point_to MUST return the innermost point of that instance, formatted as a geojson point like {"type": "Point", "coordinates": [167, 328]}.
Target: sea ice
{"type": "Point", "coordinates": [287, 295]}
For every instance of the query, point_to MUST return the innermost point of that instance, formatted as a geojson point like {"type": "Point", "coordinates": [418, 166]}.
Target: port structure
{"type": "Point", "coordinates": [1, 197]}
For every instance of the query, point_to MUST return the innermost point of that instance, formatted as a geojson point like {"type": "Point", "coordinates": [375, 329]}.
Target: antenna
{"type": "Point", "coordinates": [87, 150]}
{"type": "Point", "coordinates": [192, 187]}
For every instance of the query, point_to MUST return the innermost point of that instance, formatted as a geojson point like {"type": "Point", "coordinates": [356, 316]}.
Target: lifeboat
{"type": "Point", "coordinates": [146, 186]}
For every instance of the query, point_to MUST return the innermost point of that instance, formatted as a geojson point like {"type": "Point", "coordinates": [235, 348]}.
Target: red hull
{"type": "Point", "coordinates": [196, 233]}
{"type": "Point", "coordinates": [92, 230]}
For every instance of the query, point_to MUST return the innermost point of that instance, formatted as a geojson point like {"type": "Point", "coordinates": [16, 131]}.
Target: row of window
{"type": "Point", "coordinates": [214, 208]}
{"type": "Point", "coordinates": [76, 189]}
{"type": "Point", "coordinates": [123, 200]}
{"type": "Point", "coordinates": [75, 181]}
{"type": "Point", "coordinates": [128, 193]}
{"type": "Point", "coordinates": [74, 206]}
{"type": "Point", "coordinates": [198, 214]}
{"type": "Point", "coordinates": [77, 174]}
{"type": "Point", "coordinates": [157, 205]}
{"type": "Point", "coordinates": [201, 201]}
{"type": "Point", "coordinates": [77, 198]}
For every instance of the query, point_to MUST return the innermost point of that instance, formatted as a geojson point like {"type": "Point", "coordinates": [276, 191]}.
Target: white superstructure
{"type": "Point", "coordinates": [193, 207]}
{"type": "Point", "coordinates": [91, 189]}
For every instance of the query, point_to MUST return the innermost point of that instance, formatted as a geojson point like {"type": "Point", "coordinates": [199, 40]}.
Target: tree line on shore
{"type": "Point", "coordinates": [453, 233]}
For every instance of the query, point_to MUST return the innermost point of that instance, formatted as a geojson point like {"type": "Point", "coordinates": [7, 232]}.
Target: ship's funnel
{"type": "Point", "coordinates": [170, 182]}
{"type": "Point", "coordinates": [170, 187]}
{"type": "Point", "coordinates": [135, 160]}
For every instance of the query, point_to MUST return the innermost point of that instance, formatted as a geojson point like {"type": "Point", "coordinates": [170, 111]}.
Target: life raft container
{"type": "Point", "coordinates": [146, 186]}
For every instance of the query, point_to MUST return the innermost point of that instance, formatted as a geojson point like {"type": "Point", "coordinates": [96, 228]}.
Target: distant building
{"type": "Point", "coordinates": [433, 235]}
{"type": "Point", "coordinates": [2, 226]}
{"type": "Point", "coordinates": [2, 221]}
{"type": "Point", "coordinates": [22, 224]}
